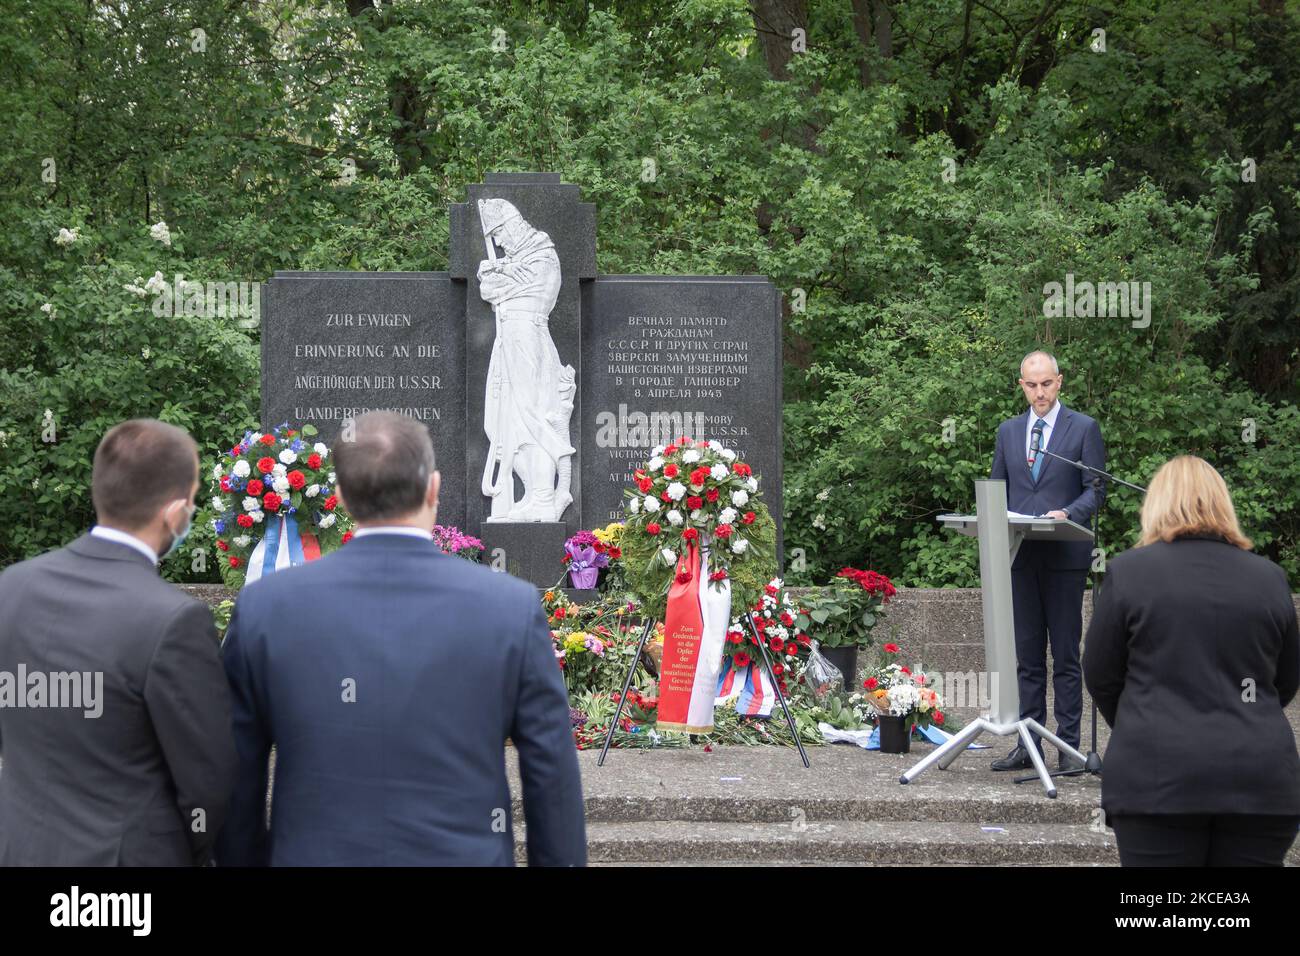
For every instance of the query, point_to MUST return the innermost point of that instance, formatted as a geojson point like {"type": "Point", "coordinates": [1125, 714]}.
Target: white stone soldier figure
{"type": "Point", "coordinates": [529, 392]}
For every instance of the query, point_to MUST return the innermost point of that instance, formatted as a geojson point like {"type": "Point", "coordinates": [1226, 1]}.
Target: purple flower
{"type": "Point", "coordinates": [582, 557]}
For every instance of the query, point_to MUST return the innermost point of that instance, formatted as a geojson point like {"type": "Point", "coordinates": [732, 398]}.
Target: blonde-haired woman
{"type": "Point", "coordinates": [1192, 653]}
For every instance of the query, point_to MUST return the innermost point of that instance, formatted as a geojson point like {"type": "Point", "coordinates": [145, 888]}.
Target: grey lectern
{"type": "Point", "coordinates": [1000, 535]}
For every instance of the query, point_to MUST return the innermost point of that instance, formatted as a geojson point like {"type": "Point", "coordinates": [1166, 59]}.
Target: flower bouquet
{"type": "Point", "coordinates": [451, 540]}
{"type": "Point", "coordinates": [901, 698]}
{"type": "Point", "coordinates": [584, 556]}
{"type": "Point", "coordinates": [273, 504]}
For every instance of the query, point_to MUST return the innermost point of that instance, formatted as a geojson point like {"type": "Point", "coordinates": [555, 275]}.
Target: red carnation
{"type": "Point", "coordinates": [645, 484]}
{"type": "Point", "coordinates": [683, 577]}
{"type": "Point", "coordinates": [670, 450]}
{"type": "Point", "coordinates": [225, 482]}
{"type": "Point", "coordinates": [870, 683]}
{"type": "Point", "coordinates": [255, 488]}
{"type": "Point", "coordinates": [938, 717]}
{"type": "Point", "coordinates": [786, 619]}
{"type": "Point", "coordinates": [234, 561]}
{"type": "Point", "coordinates": [347, 536]}
{"type": "Point", "coordinates": [749, 518]}
{"type": "Point", "coordinates": [665, 496]}
{"type": "Point", "coordinates": [771, 589]}
{"type": "Point", "coordinates": [223, 546]}
{"type": "Point", "coordinates": [266, 465]}
{"type": "Point", "coordinates": [891, 648]}
{"type": "Point", "coordinates": [272, 501]}
{"type": "Point", "coordinates": [559, 613]}
{"type": "Point", "coordinates": [313, 461]}
{"type": "Point", "coordinates": [741, 660]}
{"type": "Point", "coordinates": [268, 439]}
{"type": "Point", "coordinates": [670, 471]}
{"type": "Point", "coordinates": [699, 476]}
{"type": "Point", "coordinates": [653, 528]}
{"type": "Point", "coordinates": [616, 553]}
{"type": "Point", "coordinates": [690, 534]}
{"type": "Point", "coordinates": [722, 531]}
{"type": "Point", "coordinates": [331, 503]}
{"type": "Point", "coordinates": [639, 474]}
{"type": "Point", "coordinates": [296, 479]}
{"type": "Point", "coordinates": [904, 670]}
{"type": "Point", "coordinates": [711, 495]}
{"type": "Point", "coordinates": [719, 575]}
{"type": "Point", "coordinates": [694, 501]}
{"type": "Point", "coordinates": [244, 521]}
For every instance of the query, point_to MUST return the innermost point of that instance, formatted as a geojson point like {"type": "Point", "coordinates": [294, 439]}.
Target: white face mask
{"type": "Point", "coordinates": [178, 537]}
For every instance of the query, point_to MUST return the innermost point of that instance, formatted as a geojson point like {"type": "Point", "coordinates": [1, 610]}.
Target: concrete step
{"type": "Point", "coordinates": [684, 843]}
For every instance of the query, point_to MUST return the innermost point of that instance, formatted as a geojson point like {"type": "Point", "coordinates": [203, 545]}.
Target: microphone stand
{"type": "Point", "coordinates": [1098, 479]}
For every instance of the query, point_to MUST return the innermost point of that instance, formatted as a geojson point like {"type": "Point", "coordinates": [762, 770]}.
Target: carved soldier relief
{"type": "Point", "coordinates": [530, 394]}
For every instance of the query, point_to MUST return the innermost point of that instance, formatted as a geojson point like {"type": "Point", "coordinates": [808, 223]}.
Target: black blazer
{"type": "Point", "coordinates": [1059, 486]}
{"type": "Point", "coordinates": [1178, 630]}
{"type": "Point", "coordinates": [120, 788]}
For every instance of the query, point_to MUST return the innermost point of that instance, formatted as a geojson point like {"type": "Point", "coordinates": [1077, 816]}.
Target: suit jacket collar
{"type": "Point", "coordinates": [89, 546]}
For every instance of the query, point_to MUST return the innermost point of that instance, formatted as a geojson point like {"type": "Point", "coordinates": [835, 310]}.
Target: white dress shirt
{"type": "Point", "coordinates": [121, 537]}
{"type": "Point", "coordinates": [1049, 418]}
{"type": "Point", "coordinates": [394, 529]}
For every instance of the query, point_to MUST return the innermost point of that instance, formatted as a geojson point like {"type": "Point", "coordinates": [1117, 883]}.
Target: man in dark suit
{"type": "Point", "coordinates": [388, 676]}
{"type": "Point", "coordinates": [129, 761]}
{"type": "Point", "coordinates": [1047, 577]}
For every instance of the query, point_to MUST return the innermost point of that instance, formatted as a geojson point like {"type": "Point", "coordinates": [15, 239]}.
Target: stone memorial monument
{"type": "Point", "coordinates": [542, 383]}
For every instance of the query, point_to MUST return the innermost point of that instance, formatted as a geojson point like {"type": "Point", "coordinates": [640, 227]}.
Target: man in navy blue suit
{"type": "Point", "coordinates": [1047, 577]}
{"type": "Point", "coordinates": [388, 676]}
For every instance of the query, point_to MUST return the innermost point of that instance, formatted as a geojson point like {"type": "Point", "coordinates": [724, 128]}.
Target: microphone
{"type": "Point", "coordinates": [1034, 440]}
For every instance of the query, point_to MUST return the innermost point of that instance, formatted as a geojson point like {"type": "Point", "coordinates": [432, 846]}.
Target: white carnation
{"type": "Point", "coordinates": [691, 456]}
{"type": "Point", "coordinates": [279, 471]}
{"type": "Point", "coordinates": [326, 521]}
{"type": "Point", "coordinates": [658, 450]}
{"type": "Point", "coordinates": [281, 485]}
{"type": "Point", "coordinates": [675, 518]}
{"type": "Point", "coordinates": [243, 541]}
{"type": "Point", "coordinates": [218, 506]}
{"type": "Point", "coordinates": [258, 516]}
{"type": "Point", "coordinates": [250, 503]}
{"type": "Point", "coordinates": [216, 472]}
{"type": "Point", "coordinates": [718, 472]}
{"type": "Point", "coordinates": [160, 232]}
{"type": "Point", "coordinates": [312, 491]}
{"type": "Point", "coordinates": [655, 463]}
{"type": "Point", "coordinates": [751, 483]}
{"type": "Point", "coordinates": [669, 556]}
{"type": "Point", "coordinates": [728, 516]}
{"type": "Point", "coordinates": [697, 514]}
{"type": "Point", "coordinates": [715, 445]}
{"type": "Point", "coordinates": [331, 478]}
{"type": "Point", "coordinates": [728, 454]}
{"type": "Point", "coordinates": [634, 505]}
{"type": "Point", "coordinates": [740, 498]}
{"type": "Point", "coordinates": [651, 504]}
{"type": "Point", "coordinates": [739, 546]}
{"type": "Point", "coordinates": [288, 456]}
{"type": "Point", "coordinates": [677, 491]}
{"type": "Point", "coordinates": [320, 449]}
{"type": "Point", "coordinates": [241, 469]}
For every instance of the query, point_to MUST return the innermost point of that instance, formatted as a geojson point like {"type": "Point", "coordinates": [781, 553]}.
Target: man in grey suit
{"type": "Point", "coordinates": [114, 712]}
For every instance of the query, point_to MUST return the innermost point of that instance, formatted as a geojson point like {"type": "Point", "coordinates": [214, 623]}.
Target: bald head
{"type": "Point", "coordinates": [386, 474]}
{"type": "Point", "coordinates": [1040, 380]}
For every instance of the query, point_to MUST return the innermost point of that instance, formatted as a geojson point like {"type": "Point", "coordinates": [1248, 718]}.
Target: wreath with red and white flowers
{"type": "Point", "coordinates": [776, 619]}
{"type": "Point", "coordinates": [700, 492]}
{"type": "Point", "coordinates": [265, 476]}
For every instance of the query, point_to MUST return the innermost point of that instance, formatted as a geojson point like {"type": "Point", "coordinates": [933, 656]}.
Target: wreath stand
{"type": "Point", "coordinates": [767, 665]}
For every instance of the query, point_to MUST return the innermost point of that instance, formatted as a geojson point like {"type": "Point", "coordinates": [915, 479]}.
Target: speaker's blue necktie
{"type": "Point", "coordinates": [1036, 443]}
